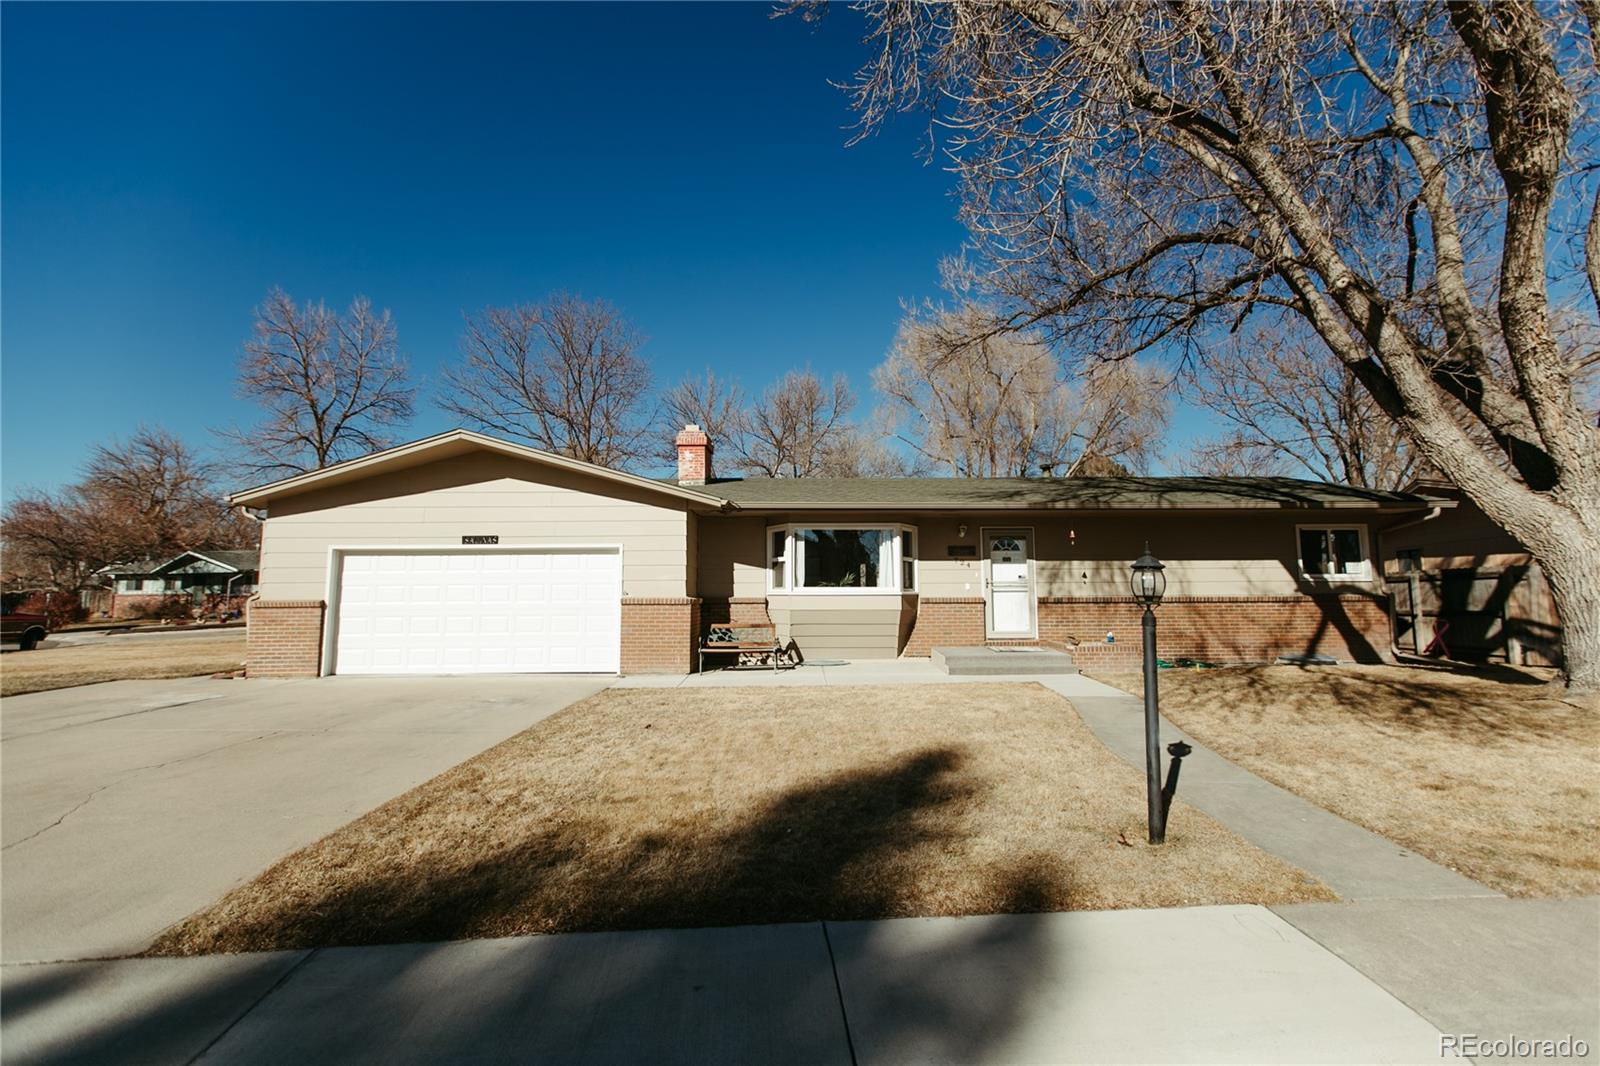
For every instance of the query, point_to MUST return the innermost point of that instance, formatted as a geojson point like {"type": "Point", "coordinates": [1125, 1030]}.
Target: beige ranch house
{"type": "Point", "coordinates": [461, 553]}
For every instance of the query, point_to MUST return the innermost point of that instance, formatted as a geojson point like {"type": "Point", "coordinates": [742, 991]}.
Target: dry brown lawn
{"type": "Point", "coordinates": [1492, 773]}
{"type": "Point", "coordinates": [656, 808]}
{"type": "Point", "coordinates": [174, 656]}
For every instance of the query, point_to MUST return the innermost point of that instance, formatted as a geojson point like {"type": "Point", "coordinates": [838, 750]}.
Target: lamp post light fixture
{"type": "Point", "coordinates": [1149, 583]}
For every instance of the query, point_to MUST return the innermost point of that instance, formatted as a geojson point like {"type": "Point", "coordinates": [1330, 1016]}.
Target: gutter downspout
{"type": "Point", "coordinates": [1430, 516]}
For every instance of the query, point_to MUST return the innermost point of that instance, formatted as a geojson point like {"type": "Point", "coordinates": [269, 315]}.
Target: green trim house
{"type": "Point", "coordinates": [212, 580]}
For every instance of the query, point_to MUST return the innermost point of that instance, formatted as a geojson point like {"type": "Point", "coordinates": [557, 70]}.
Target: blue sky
{"type": "Point", "coordinates": [163, 166]}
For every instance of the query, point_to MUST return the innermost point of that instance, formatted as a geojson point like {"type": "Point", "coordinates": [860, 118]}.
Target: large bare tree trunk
{"type": "Point", "coordinates": [1573, 570]}
{"type": "Point", "coordinates": [1567, 545]}
{"type": "Point", "coordinates": [1148, 175]}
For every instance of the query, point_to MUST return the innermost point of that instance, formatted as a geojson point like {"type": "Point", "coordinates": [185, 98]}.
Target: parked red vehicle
{"type": "Point", "coordinates": [24, 630]}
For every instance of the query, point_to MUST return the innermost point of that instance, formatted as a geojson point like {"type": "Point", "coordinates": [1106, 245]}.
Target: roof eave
{"type": "Point", "coordinates": [1233, 505]}
{"type": "Point", "coordinates": [260, 495]}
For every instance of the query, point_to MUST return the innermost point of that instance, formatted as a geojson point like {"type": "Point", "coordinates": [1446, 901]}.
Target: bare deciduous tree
{"type": "Point", "coordinates": [150, 497]}
{"type": "Point", "coordinates": [565, 375]}
{"type": "Point", "coordinates": [1289, 405]}
{"type": "Point", "coordinates": [1138, 173]}
{"type": "Point", "coordinates": [1234, 454]}
{"type": "Point", "coordinates": [981, 401]}
{"type": "Point", "coordinates": [716, 405]}
{"type": "Point", "coordinates": [330, 383]}
{"type": "Point", "coordinates": [799, 428]}
{"type": "Point", "coordinates": [168, 492]}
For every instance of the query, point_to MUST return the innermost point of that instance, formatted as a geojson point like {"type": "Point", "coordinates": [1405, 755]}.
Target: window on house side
{"type": "Point", "coordinates": [1334, 552]}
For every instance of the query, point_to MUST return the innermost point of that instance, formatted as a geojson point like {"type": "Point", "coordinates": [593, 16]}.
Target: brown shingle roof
{"type": "Point", "coordinates": [1077, 493]}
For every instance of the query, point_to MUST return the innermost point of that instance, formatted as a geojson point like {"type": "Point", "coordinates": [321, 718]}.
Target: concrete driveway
{"type": "Point", "coordinates": [129, 805]}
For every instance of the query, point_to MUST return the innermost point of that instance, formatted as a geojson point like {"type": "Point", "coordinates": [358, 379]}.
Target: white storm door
{"type": "Point", "coordinates": [1009, 606]}
{"type": "Point", "coordinates": [479, 612]}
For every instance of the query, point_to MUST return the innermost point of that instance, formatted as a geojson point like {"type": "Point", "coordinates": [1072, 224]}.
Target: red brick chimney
{"type": "Point", "coordinates": [694, 456]}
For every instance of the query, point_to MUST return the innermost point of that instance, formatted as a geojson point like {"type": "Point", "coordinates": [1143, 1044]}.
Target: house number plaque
{"type": "Point", "coordinates": [494, 539]}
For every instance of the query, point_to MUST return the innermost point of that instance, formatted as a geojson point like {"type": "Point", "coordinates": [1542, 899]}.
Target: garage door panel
{"type": "Point", "coordinates": [483, 612]}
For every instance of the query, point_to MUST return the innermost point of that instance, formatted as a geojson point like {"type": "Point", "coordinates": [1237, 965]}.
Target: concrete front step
{"type": "Point", "coordinates": [977, 662]}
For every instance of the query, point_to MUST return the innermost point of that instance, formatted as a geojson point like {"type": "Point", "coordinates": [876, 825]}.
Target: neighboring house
{"type": "Point", "coordinates": [461, 553]}
{"type": "Point", "coordinates": [210, 581]}
{"type": "Point", "coordinates": [1458, 576]}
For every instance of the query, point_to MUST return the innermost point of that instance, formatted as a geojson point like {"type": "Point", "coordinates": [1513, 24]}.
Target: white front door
{"type": "Point", "coordinates": [1009, 583]}
{"type": "Point", "coordinates": [478, 612]}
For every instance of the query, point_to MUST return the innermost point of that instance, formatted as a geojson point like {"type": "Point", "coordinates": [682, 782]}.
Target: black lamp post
{"type": "Point", "coordinates": [1149, 584]}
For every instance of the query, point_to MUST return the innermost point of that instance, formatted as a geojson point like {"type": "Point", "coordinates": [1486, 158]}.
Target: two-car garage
{"type": "Point", "coordinates": [463, 554]}
{"type": "Point", "coordinates": [550, 610]}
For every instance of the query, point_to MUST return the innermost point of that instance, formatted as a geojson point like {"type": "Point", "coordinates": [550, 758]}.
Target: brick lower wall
{"type": "Point", "coordinates": [659, 634]}
{"type": "Point", "coordinates": [138, 604]}
{"type": "Point", "coordinates": [283, 638]}
{"type": "Point", "coordinates": [737, 611]}
{"type": "Point", "coordinates": [134, 604]}
{"type": "Point", "coordinates": [1225, 629]}
{"type": "Point", "coordinates": [945, 621]}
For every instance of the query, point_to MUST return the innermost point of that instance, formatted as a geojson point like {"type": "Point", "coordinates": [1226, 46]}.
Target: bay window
{"type": "Point", "coordinates": [834, 559]}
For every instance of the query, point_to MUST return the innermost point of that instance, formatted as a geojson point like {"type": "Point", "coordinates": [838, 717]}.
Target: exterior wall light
{"type": "Point", "coordinates": [1149, 581]}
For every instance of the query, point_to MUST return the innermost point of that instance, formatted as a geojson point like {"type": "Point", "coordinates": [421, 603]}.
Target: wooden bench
{"type": "Point", "coordinates": [757, 639]}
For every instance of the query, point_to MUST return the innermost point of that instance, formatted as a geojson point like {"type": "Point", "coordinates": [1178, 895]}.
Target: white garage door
{"type": "Point", "coordinates": [479, 613]}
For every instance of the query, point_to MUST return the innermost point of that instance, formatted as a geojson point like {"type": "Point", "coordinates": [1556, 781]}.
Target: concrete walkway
{"type": "Point", "coordinates": [865, 672]}
{"type": "Point", "coordinates": [1208, 984]}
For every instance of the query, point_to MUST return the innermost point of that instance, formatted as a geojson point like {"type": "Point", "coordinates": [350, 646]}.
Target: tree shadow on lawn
{"type": "Point", "coordinates": [1502, 673]}
{"type": "Point", "coordinates": [1405, 701]}
{"type": "Point", "coordinates": [833, 849]}
{"type": "Point", "coordinates": [845, 847]}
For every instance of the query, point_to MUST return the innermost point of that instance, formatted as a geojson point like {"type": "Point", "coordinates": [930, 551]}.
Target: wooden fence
{"type": "Point", "coordinates": [1479, 613]}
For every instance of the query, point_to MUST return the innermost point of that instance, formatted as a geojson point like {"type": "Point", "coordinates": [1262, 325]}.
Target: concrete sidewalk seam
{"type": "Point", "coordinates": [107, 718]}
{"type": "Point", "coordinates": [1374, 978]}
{"type": "Point", "coordinates": [838, 990]}
{"type": "Point", "coordinates": [282, 980]}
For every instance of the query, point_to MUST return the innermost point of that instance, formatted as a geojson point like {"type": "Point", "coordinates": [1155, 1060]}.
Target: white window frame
{"type": "Point", "coordinates": [793, 560]}
{"type": "Point", "coordinates": [1365, 577]}
{"type": "Point", "coordinates": [787, 558]}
